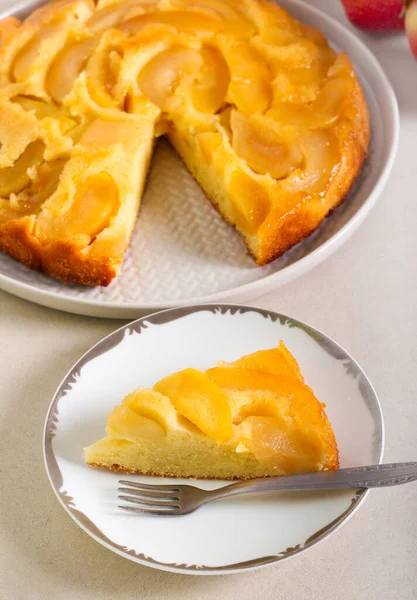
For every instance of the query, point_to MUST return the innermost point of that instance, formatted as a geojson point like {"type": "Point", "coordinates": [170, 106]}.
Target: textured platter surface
{"type": "Point", "coordinates": [237, 534]}
{"type": "Point", "coordinates": [182, 251]}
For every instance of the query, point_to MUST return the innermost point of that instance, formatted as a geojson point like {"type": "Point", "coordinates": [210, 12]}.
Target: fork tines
{"type": "Point", "coordinates": [150, 499]}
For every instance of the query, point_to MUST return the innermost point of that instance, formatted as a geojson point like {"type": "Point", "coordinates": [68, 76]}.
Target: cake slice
{"type": "Point", "coordinates": [74, 218]}
{"type": "Point", "coordinates": [251, 418]}
{"type": "Point", "coordinates": [268, 118]}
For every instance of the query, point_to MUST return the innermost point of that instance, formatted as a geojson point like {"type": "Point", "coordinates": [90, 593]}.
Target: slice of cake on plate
{"type": "Point", "coordinates": [254, 417]}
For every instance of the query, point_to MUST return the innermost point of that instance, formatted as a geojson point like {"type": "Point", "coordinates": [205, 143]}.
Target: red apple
{"type": "Point", "coordinates": [376, 15]}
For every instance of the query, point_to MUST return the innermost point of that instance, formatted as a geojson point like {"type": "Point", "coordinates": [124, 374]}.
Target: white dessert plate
{"type": "Point", "coordinates": [228, 536]}
{"type": "Point", "coordinates": [182, 251]}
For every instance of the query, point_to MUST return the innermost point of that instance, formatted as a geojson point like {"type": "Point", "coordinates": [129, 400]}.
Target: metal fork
{"type": "Point", "coordinates": [173, 499]}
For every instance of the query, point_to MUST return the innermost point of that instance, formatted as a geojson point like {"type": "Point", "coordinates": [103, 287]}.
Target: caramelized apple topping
{"type": "Point", "coordinates": [200, 401]}
{"type": "Point", "coordinates": [39, 107]}
{"type": "Point", "coordinates": [209, 87]}
{"type": "Point", "coordinates": [66, 67]}
{"type": "Point", "coordinates": [328, 106]}
{"type": "Point", "coordinates": [277, 361]}
{"type": "Point", "coordinates": [321, 156]}
{"type": "Point", "coordinates": [262, 407]}
{"type": "Point", "coordinates": [263, 148]}
{"type": "Point", "coordinates": [188, 22]}
{"type": "Point", "coordinates": [281, 421]}
{"type": "Point", "coordinates": [233, 22]}
{"type": "Point", "coordinates": [291, 448]}
{"type": "Point", "coordinates": [323, 112]}
{"type": "Point", "coordinates": [251, 202]}
{"type": "Point", "coordinates": [42, 110]}
{"type": "Point", "coordinates": [274, 37]}
{"type": "Point", "coordinates": [31, 198]}
{"type": "Point", "coordinates": [243, 378]}
{"type": "Point", "coordinates": [52, 11]}
{"type": "Point", "coordinates": [101, 134]}
{"type": "Point", "coordinates": [8, 27]}
{"type": "Point", "coordinates": [149, 405]}
{"type": "Point", "coordinates": [250, 87]}
{"type": "Point", "coordinates": [161, 76]}
{"type": "Point", "coordinates": [14, 179]}
{"type": "Point", "coordinates": [111, 16]}
{"type": "Point", "coordinates": [30, 52]}
{"type": "Point", "coordinates": [102, 74]}
{"type": "Point", "coordinates": [94, 204]}
{"type": "Point", "coordinates": [130, 425]}
{"type": "Point", "coordinates": [225, 116]}
{"type": "Point", "coordinates": [290, 392]}
{"type": "Point", "coordinates": [209, 142]}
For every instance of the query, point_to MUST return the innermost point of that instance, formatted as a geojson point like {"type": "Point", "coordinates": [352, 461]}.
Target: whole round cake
{"type": "Point", "coordinates": [270, 121]}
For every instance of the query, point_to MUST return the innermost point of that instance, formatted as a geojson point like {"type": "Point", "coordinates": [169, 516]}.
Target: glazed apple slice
{"type": "Point", "coordinates": [233, 21]}
{"type": "Point", "coordinates": [41, 109]}
{"type": "Point", "coordinates": [262, 407]}
{"type": "Point", "coordinates": [47, 12]}
{"type": "Point", "coordinates": [323, 112]}
{"type": "Point", "coordinates": [200, 401]}
{"type": "Point", "coordinates": [95, 202]}
{"type": "Point", "coordinates": [140, 416]}
{"type": "Point", "coordinates": [44, 110]}
{"type": "Point", "coordinates": [209, 88]}
{"type": "Point", "coordinates": [290, 393]}
{"type": "Point", "coordinates": [321, 155]}
{"type": "Point", "coordinates": [8, 28]}
{"type": "Point", "coordinates": [188, 22]}
{"type": "Point", "coordinates": [290, 447]}
{"type": "Point", "coordinates": [66, 67]}
{"type": "Point", "coordinates": [111, 16]}
{"type": "Point", "coordinates": [264, 150]}
{"type": "Point", "coordinates": [277, 361]}
{"type": "Point", "coordinates": [251, 202]}
{"type": "Point", "coordinates": [29, 53]}
{"type": "Point", "coordinates": [328, 106]}
{"type": "Point", "coordinates": [31, 198]}
{"type": "Point", "coordinates": [102, 73]}
{"type": "Point", "coordinates": [161, 75]}
{"type": "Point", "coordinates": [244, 378]}
{"type": "Point", "coordinates": [209, 143]}
{"type": "Point", "coordinates": [14, 179]}
{"type": "Point", "coordinates": [250, 86]}
{"type": "Point", "coordinates": [127, 424]}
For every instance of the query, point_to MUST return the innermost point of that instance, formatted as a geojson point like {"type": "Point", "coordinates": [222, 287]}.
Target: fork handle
{"type": "Point", "coordinates": [357, 477]}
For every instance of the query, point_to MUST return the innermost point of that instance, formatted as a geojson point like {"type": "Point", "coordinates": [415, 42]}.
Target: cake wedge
{"type": "Point", "coordinates": [254, 417]}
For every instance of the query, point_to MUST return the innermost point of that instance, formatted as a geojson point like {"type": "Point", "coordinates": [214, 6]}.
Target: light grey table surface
{"type": "Point", "coordinates": [365, 296]}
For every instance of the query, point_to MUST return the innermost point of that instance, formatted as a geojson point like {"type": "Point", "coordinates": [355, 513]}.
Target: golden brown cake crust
{"type": "Point", "coordinates": [59, 259]}
{"type": "Point", "coordinates": [278, 235]}
{"type": "Point", "coordinates": [119, 469]}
